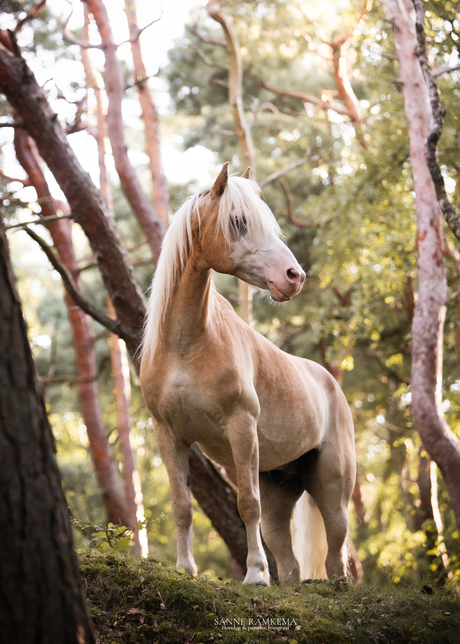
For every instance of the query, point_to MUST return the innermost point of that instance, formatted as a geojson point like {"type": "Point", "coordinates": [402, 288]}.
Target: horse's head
{"type": "Point", "coordinates": [240, 236]}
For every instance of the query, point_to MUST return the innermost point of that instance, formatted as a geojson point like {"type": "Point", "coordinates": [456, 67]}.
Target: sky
{"type": "Point", "coordinates": [156, 40]}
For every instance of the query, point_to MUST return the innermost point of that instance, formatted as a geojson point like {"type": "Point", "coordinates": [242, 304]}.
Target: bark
{"type": "Point", "coordinates": [40, 590]}
{"type": "Point", "coordinates": [428, 322]}
{"type": "Point", "coordinates": [438, 113]}
{"type": "Point", "coordinates": [102, 453]}
{"type": "Point", "coordinates": [142, 209]}
{"type": "Point", "coordinates": [160, 192]}
{"type": "Point", "coordinates": [88, 208]}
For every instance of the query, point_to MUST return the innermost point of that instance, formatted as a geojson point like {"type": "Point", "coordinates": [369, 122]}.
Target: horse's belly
{"type": "Point", "coordinates": [285, 434]}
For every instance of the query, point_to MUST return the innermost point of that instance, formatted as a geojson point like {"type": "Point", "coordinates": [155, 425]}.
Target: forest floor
{"type": "Point", "coordinates": [144, 601]}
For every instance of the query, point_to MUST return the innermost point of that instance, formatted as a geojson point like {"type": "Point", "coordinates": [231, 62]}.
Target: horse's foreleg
{"type": "Point", "coordinates": [278, 500]}
{"type": "Point", "coordinates": [175, 458]}
{"type": "Point", "coordinates": [245, 448]}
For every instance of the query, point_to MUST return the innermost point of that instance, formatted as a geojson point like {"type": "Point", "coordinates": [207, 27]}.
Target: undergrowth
{"type": "Point", "coordinates": [144, 601]}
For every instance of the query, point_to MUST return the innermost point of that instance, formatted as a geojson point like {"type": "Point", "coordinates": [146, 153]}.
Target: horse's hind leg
{"type": "Point", "coordinates": [329, 477]}
{"type": "Point", "coordinates": [278, 498]}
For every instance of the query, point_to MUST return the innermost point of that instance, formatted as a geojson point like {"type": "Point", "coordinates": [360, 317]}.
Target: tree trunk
{"type": "Point", "coordinates": [142, 209]}
{"type": "Point", "coordinates": [40, 590]}
{"type": "Point", "coordinates": [88, 208]}
{"type": "Point", "coordinates": [235, 98]}
{"type": "Point", "coordinates": [120, 366]}
{"type": "Point", "coordinates": [160, 192]}
{"type": "Point", "coordinates": [428, 322]}
{"type": "Point", "coordinates": [102, 453]}
{"type": "Point", "coordinates": [133, 491]}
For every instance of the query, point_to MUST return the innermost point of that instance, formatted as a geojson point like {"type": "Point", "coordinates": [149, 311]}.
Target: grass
{"type": "Point", "coordinates": [136, 601]}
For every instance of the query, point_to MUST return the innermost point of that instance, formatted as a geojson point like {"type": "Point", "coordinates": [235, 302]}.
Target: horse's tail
{"type": "Point", "coordinates": [309, 538]}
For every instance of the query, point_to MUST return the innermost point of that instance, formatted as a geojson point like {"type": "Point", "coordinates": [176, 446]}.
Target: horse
{"type": "Point", "coordinates": [282, 422]}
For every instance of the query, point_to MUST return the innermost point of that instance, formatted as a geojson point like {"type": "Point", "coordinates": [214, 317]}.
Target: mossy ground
{"type": "Point", "coordinates": [144, 601]}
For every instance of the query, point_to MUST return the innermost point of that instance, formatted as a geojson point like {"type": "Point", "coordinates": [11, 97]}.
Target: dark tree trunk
{"type": "Point", "coordinates": [41, 597]}
{"type": "Point", "coordinates": [88, 208]}
{"type": "Point", "coordinates": [85, 355]}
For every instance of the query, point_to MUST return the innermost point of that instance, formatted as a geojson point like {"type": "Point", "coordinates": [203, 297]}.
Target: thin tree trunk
{"type": "Point", "coordinates": [102, 453]}
{"type": "Point", "coordinates": [235, 97]}
{"type": "Point", "coordinates": [425, 517]}
{"type": "Point", "coordinates": [119, 359]}
{"type": "Point", "coordinates": [133, 491]}
{"type": "Point", "coordinates": [428, 322]}
{"type": "Point", "coordinates": [142, 209]}
{"type": "Point", "coordinates": [41, 596]}
{"type": "Point", "coordinates": [160, 192]}
{"type": "Point", "coordinates": [95, 82]}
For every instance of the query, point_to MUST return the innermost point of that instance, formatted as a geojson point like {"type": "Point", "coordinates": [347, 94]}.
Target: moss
{"type": "Point", "coordinates": [138, 601]}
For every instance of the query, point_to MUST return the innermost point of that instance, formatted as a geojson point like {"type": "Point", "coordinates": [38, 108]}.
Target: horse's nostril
{"type": "Point", "coordinates": [292, 275]}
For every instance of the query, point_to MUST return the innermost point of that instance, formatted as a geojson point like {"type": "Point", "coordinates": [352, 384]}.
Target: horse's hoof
{"type": "Point", "coordinates": [256, 578]}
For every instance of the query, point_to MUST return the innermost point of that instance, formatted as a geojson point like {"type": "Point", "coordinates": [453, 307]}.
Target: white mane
{"type": "Point", "coordinates": [240, 198]}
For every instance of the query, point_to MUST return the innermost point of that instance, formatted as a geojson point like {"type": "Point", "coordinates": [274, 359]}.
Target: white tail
{"type": "Point", "coordinates": [309, 538]}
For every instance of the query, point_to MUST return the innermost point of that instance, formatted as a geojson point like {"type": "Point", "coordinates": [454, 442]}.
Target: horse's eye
{"type": "Point", "coordinates": [238, 226]}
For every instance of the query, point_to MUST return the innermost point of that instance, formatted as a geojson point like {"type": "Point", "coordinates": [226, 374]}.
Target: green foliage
{"type": "Point", "coordinates": [115, 538]}
{"type": "Point", "coordinates": [135, 601]}
{"type": "Point", "coordinates": [355, 192]}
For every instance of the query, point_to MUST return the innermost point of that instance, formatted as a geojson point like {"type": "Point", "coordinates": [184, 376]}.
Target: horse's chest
{"type": "Point", "coordinates": [187, 406]}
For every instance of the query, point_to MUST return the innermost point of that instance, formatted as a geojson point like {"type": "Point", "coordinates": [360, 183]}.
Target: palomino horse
{"type": "Point", "coordinates": [280, 421]}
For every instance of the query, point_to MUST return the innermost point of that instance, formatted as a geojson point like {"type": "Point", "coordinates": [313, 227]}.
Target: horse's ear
{"type": "Point", "coordinates": [221, 182]}
{"type": "Point", "coordinates": [247, 173]}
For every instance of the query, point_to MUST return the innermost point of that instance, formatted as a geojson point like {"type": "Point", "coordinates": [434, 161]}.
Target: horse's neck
{"type": "Point", "coordinates": [187, 314]}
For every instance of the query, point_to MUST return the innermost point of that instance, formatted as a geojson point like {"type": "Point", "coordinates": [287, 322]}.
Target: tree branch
{"type": "Point", "coordinates": [391, 372]}
{"type": "Point", "coordinates": [208, 61]}
{"type": "Point", "coordinates": [140, 30]}
{"type": "Point", "coordinates": [453, 297]}
{"type": "Point", "coordinates": [292, 218]}
{"type": "Point", "coordinates": [25, 182]}
{"type": "Point", "coordinates": [308, 98]}
{"type": "Point", "coordinates": [13, 125]}
{"type": "Point", "coordinates": [439, 71]}
{"type": "Point", "coordinates": [142, 208]}
{"type": "Point", "coordinates": [41, 221]}
{"type": "Point", "coordinates": [113, 325]}
{"type": "Point", "coordinates": [30, 15]}
{"type": "Point", "coordinates": [279, 173]}
{"type": "Point", "coordinates": [207, 39]}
